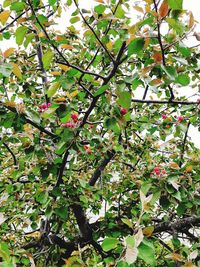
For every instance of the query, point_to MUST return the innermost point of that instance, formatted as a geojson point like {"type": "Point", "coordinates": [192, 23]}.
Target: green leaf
{"type": "Point", "coordinates": [120, 12]}
{"type": "Point", "coordinates": [52, 2]}
{"type": "Point", "coordinates": [147, 253]}
{"type": "Point", "coordinates": [4, 251]}
{"type": "Point", "coordinates": [111, 123]}
{"type": "Point", "coordinates": [74, 19]}
{"type": "Point", "coordinates": [20, 34]}
{"type": "Point", "coordinates": [176, 25]}
{"type": "Point", "coordinates": [17, 6]}
{"type": "Point", "coordinates": [175, 4]}
{"type": "Point", "coordinates": [62, 212]}
{"type": "Point", "coordinates": [127, 222]}
{"type": "Point", "coordinates": [5, 69]}
{"type": "Point", "coordinates": [42, 197]}
{"type": "Point", "coordinates": [136, 82]}
{"type": "Point", "coordinates": [53, 89]}
{"type": "Point", "coordinates": [170, 71]}
{"type": "Point", "coordinates": [47, 59]}
{"type": "Point", "coordinates": [100, 9]}
{"type": "Point", "coordinates": [135, 46]}
{"type": "Point", "coordinates": [183, 79]}
{"type": "Point", "coordinates": [101, 90]}
{"type": "Point", "coordinates": [124, 99]}
{"type": "Point", "coordinates": [109, 243]}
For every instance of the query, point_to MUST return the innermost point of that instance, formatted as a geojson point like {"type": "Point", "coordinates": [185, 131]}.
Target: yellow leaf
{"type": "Point", "coordinates": [60, 99]}
{"type": "Point", "coordinates": [66, 46]}
{"type": "Point", "coordinates": [109, 45]}
{"type": "Point", "coordinates": [64, 67]}
{"type": "Point", "coordinates": [177, 257]}
{"type": "Point", "coordinates": [4, 16]}
{"type": "Point", "coordinates": [189, 168]}
{"type": "Point", "coordinates": [10, 104]}
{"type": "Point", "coordinates": [139, 9]}
{"type": "Point", "coordinates": [75, 93]}
{"type": "Point", "coordinates": [55, 73]}
{"type": "Point", "coordinates": [163, 10]}
{"type": "Point", "coordinates": [147, 231]}
{"type": "Point", "coordinates": [20, 20]}
{"type": "Point", "coordinates": [174, 165]}
{"type": "Point", "coordinates": [41, 34]}
{"type": "Point", "coordinates": [146, 43]}
{"type": "Point", "coordinates": [60, 38]}
{"type": "Point", "coordinates": [188, 264]}
{"type": "Point", "coordinates": [147, 8]}
{"type": "Point", "coordinates": [191, 20]}
{"type": "Point", "coordinates": [16, 70]}
{"type": "Point", "coordinates": [8, 52]}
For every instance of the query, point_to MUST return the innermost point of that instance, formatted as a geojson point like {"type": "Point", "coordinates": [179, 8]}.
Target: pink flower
{"type": "Point", "coordinates": [164, 116]}
{"type": "Point", "coordinates": [180, 118]}
{"type": "Point", "coordinates": [198, 100]}
{"type": "Point", "coordinates": [157, 170]}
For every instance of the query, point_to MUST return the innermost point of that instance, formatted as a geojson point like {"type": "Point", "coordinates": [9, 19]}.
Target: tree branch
{"type": "Point", "coordinates": [81, 70]}
{"type": "Point", "coordinates": [10, 151]}
{"type": "Point", "coordinates": [93, 31]}
{"type": "Point", "coordinates": [178, 225]}
{"type": "Point", "coordinates": [101, 167]}
{"type": "Point", "coordinates": [183, 146]}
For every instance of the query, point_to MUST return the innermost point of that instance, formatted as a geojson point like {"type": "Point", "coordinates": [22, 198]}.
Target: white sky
{"type": "Point", "coordinates": [192, 5]}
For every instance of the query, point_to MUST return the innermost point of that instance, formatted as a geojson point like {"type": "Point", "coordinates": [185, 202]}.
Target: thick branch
{"type": "Point", "coordinates": [101, 167]}
{"type": "Point", "coordinates": [179, 225]}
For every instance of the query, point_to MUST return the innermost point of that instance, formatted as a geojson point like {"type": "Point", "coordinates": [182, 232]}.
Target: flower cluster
{"type": "Point", "coordinates": [158, 171]}
{"type": "Point", "coordinates": [44, 107]}
{"type": "Point", "coordinates": [72, 123]}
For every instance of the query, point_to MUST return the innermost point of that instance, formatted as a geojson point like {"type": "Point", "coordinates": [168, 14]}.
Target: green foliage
{"type": "Point", "coordinates": [98, 162]}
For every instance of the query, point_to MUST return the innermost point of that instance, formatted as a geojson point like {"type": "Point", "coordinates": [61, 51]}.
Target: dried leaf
{"type": "Point", "coordinates": [67, 46]}
{"type": "Point", "coordinates": [16, 70]}
{"type": "Point", "coordinates": [4, 16]}
{"type": "Point", "coordinates": [8, 52]}
{"type": "Point", "coordinates": [139, 9]}
{"type": "Point", "coordinates": [157, 56]}
{"type": "Point", "coordinates": [189, 168]}
{"type": "Point", "coordinates": [174, 165]}
{"type": "Point", "coordinates": [191, 20]}
{"type": "Point", "coordinates": [64, 67]}
{"type": "Point", "coordinates": [175, 256]}
{"type": "Point", "coordinates": [148, 231]}
{"type": "Point", "coordinates": [163, 10]}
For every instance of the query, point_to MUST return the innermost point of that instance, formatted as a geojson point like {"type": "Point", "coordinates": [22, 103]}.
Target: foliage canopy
{"type": "Point", "coordinates": [76, 144]}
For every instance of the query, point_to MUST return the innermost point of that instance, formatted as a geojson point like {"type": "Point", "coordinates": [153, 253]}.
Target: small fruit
{"type": "Point", "coordinates": [123, 111]}
{"type": "Point", "coordinates": [44, 107]}
{"type": "Point", "coordinates": [180, 118]}
{"type": "Point", "coordinates": [91, 126]}
{"type": "Point", "coordinates": [164, 116]}
{"type": "Point", "coordinates": [68, 124]}
{"type": "Point", "coordinates": [168, 126]}
{"type": "Point", "coordinates": [74, 117]}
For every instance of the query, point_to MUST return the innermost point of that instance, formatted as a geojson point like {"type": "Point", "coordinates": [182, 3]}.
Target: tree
{"type": "Point", "coordinates": [76, 144]}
